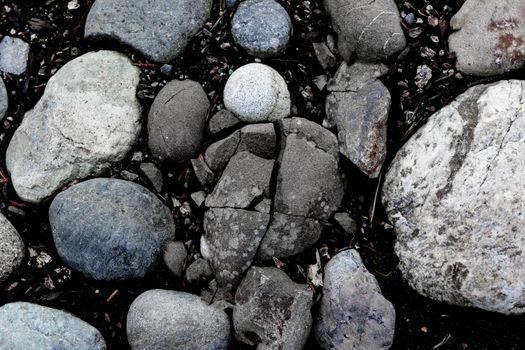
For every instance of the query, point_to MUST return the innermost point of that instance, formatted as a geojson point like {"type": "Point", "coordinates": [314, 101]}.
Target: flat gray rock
{"type": "Point", "coordinates": [221, 121]}
{"type": "Point", "coordinates": [27, 326]}
{"type": "Point", "coordinates": [176, 121]}
{"type": "Point", "coordinates": [261, 27]}
{"type": "Point", "coordinates": [165, 319]}
{"type": "Point", "coordinates": [87, 120]}
{"type": "Point", "coordinates": [12, 248]}
{"type": "Point", "coordinates": [4, 100]}
{"type": "Point", "coordinates": [14, 54]}
{"type": "Point", "coordinates": [110, 229]}
{"type": "Point", "coordinates": [353, 313]}
{"type": "Point", "coordinates": [159, 29]}
{"type": "Point", "coordinates": [271, 311]}
{"type": "Point", "coordinates": [218, 154]}
{"type": "Point", "coordinates": [455, 195]}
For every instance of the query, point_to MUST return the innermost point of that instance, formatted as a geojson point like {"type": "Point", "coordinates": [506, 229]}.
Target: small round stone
{"type": "Point", "coordinates": [12, 248]}
{"type": "Point", "coordinates": [261, 27]}
{"type": "Point", "coordinates": [256, 93]}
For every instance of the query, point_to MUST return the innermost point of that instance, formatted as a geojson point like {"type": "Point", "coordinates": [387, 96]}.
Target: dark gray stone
{"type": "Point", "coordinates": [222, 120]}
{"type": "Point", "coordinates": [14, 54]}
{"type": "Point", "coordinates": [271, 311]}
{"type": "Point", "coordinates": [346, 223]}
{"type": "Point", "coordinates": [160, 29]}
{"type": "Point", "coordinates": [12, 248]}
{"type": "Point", "coordinates": [198, 272]}
{"type": "Point", "coordinates": [325, 57]}
{"type": "Point", "coordinates": [218, 154]}
{"type": "Point", "coordinates": [4, 101]}
{"type": "Point", "coordinates": [203, 173]}
{"type": "Point", "coordinates": [110, 229]}
{"type": "Point", "coordinates": [353, 77]}
{"type": "Point", "coordinates": [259, 139]}
{"type": "Point", "coordinates": [26, 326]}
{"type": "Point", "coordinates": [261, 27]}
{"type": "Point", "coordinates": [176, 121]}
{"type": "Point", "coordinates": [174, 257]}
{"type": "Point", "coordinates": [153, 174]}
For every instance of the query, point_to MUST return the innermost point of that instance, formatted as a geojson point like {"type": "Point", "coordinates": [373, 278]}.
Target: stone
{"type": "Point", "coordinates": [218, 154]}
{"type": "Point", "coordinates": [198, 272]}
{"type": "Point", "coordinates": [370, 30]}
{"type": "Point", "coordinates": [455, 194]}
{"type": "Point", "coordinates": [261, 27]}
{"type": "Point", "coordinates": [353, 77]}
{"type": "Point", "coordinates": [27, 326]}
{"type": "Point", "coordinates": [488, 37]}
{"type": "Point", "coordinates": [325, 57]}
{"type": "Point", "coordinates": [87, 120]}
{"type": "Point", "coordinates": [12, 248]}
{"type": "Point", "coordinates": [245, 179]}
{"type": "Point", "coordinates": [198, 198]}
{"type": "Point", "coordinates": [264, 206]}
{"type": "Point", "coordinates": [221, 121]}
{"type": "Point", "coordinates": [174, 257]}
{"type": "Point", "coordinates": [110, 229]}
{"type": "Point", "coordinates": [153, 175]}
{"type": "Point", "coordinates": [311, 132]}
{"type": "Point", "coordinates": [271, 311]}
{"type": "Point", "coordinates": [14, 54]}
{"type": "Point", "coordinates": [259, 139]}
{"type": "Point", "coordinates": [4, 100]}
{"type": "Point", "coordinates": [165, 319]}
{"type": "Point", "coordinates": [353, 313]}
{"type": "Point", "coordinates": [160, 30]}
{"type": "Point", "coordinates": [176, 121]}
{"type": "Point", "coordinates": [203, 173]}
{"type": "Point", "coordinates": [346, 223]}
{"type": "Point", "coordinates": [257, 93]}
{"type": "Point", "coordinates": [230, 242]}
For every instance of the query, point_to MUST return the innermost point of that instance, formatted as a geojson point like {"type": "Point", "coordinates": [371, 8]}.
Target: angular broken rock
{"type": "Point", "coordinates": [455, 195]}
{"type": "Point", "coordinates": [271, 311]}
{"type": "Point", "coordinates": [222, 120]}
{"type": "Point", "coordinates": [259, 139]}
{"type": "Point", "coordinates": [219, 153]}
{"type": "Point", "coordinates": [87, 120]}
{"type": "Point", "coordinates": [371, 30]}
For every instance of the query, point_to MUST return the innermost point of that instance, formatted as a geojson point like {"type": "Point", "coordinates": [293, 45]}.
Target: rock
{"type": "Point", "coordinates": [423, 76]}
{"type": "Point", "coordinates": [256, 93]}
{"type": "Point", "coordinates": [153, 174]}
{"type": "Point", "coordinates": [175, 255]}
{"type": "Point", "coordinates": [176, 121]}
{"type": "Point", "coordinates": [321, 81]}
{"type": "Point", "coordinates": [370, 30]}
{"type": "Point", "coordinates": [264, 206]}
{"type": "Point", "coordinates": [110, 229]}
{"type": "Point", "coordinates": [219, 153]}
{"type": "Point", "coordinates": [346, 223]}
{"type": "Point", "coordinates": [353, 313]}
{"type": "Point", "coordinates": [4, 100]}
{"type": "Point", "coordinates": [245, 179]}
{"type": "Point", "coordinates": [14, 54]}
{"type": "Point", "coordinates": [198, 198]}
{"type": "Point", "coordinates": [164, 319]}
{"type": "Point", "coordinates": [325, 57]}
{"type": "Point", "coordinates": [12, 248]}
{"type": "Point", "coordinates": [197, 272]}
{"type": "Point", "coordinates": [354, 77]}
{"type": "Point", "coordinates": [488, 37]}
{"type": "Point", "coordinates": [221, 121]}
{"type": "Point", "coordinates": [271, 310]}
{"type": "Point", "coordinates": [310, 131]}
{"type": "Point", "coordinates": [203, 173]}
{"type": "Point", "coordinates": [87, 119]}
{"type": "Point", "coordinates": [455, 195]}
{"type": "Point", "coordinates": [261, 27]}
{"type": "Point", "coordinates": [259, 139]}
{"type": "Point", "coordinates": [230, 242]}
{"type": "Point", "coordinates": [27, 326]}
{"type": "Point", "coordinates": [160, 30]}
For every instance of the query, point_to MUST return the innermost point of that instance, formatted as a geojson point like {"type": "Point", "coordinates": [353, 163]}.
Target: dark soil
{"type": "Point", "coordinates": [55, 34]}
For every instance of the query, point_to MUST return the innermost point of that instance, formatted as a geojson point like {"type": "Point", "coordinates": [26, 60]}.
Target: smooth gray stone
{"type": "Point", "coordinates": [221, 121]}
{"type": "Point", "coordinates": [259, 139]}
{"type": "Point", "coordinates": [110, 229]}
{"type": "Point", "coordinates": [174, 257]}
{"type": "Point", "coordinates": [14, 54]}
{"type": "Point", "coordinates": [12, 248]}
{"type": "Point", "coordinates": [4, 100]}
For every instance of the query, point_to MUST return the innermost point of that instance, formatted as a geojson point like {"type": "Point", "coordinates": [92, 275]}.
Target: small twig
{"type": "Point", "coordinates": [442, 342]}
{"type": "Point", "coordinates": [112, 296]}
{"type": "Point", "coordinates": [375, 200]}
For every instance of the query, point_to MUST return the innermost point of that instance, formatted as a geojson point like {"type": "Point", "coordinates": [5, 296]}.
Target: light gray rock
{"type": "Point", "coordinates": [353, 313]}
{"type": "Point", "coordinates": [26, 326]}
{"type": "Point", "coordinates": [174, 257]}
{"type": "Point", "coordinates": [110, 229]}
{"type": "Point", "coordinates": [159, 29]}
{"type": "Point", "coordinates": [176, 121]}
{"type": "Point", "coordinates": [87, 120]}
{"type": "Point", "coordinates": [198, 198]}
{"type": "Point", "coordinates": [371, 30]}
{"type": "Point", "coordinates": [348, 224]}
{"type": "Point", "coordinates": [256, 93]}
{"type": "Point", "coordinates": [311, 132]}
{"type": "Point", "coordinates": [12, 248]}
{"type": "Point", "coordinates": [221, 121]}
{"type": "Point", "coordinates": [264, 206]}
{"type": "Point", "coordinates": [218, 154]}
{"type": "Point", "coordinates": [153, 174]}
{"type": "Point", "coordinates": [4, 100]}
{"type": "Point", "coordinates": [198, 272]}
{"type": "Point", "coordinates": [489, 37]}
{"type": "Point", "coordinates": [325, 57]}
{"type": "Point", "coordinates": [14, 54]}
{"type": "Point", "coordinates": [261, 27]}
{"type": "Point", "coordinates": [353, 77]}
{"type": "Point", "coordinates": [259, 139]}
{"type": "Point", "coordinates": [164, 319]}
{"type": "Point", "coordinates": [455, 195]}
{"type": "Point", "coordinates": [203, 173]}
{"type": "Point", "coordinates": [230, 242]}
{"type": "Point", "coordinates": [271, 311]}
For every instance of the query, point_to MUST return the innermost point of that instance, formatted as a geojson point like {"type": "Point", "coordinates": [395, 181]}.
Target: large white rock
{"type": "Point", "coordinates": [456, 196]}
{"type": "Point", "coordinates": [87, 119]}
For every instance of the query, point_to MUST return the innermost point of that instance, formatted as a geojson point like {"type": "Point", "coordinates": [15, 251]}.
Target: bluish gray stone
{"type": "Point", "coordinates": [110, 229]}
{"type": "Point", "coordinates": [14, 53]}
{"type": "Point", "coordinates": [262, 27]}
{"type": "Point", "coordinates": [12, 248]}
{"type": "Point", "coordinates": [27, 326]}
{"type": "Point", "coordinates": [4, 101]}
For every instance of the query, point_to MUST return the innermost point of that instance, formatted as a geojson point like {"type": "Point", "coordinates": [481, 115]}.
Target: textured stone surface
{"type": "Point", "coordinates": [261, 27]}
{"type": "Point", "coordinates": [259, 139]}
{"type": "Point", "coordinates": [353, 313]}
{"type": "Point", "coordinates": [12, 248]}
{"type": "Point", "coordinates": [222, 120]}
{"type": "Point", "coordinates": [256, 92]}
{"type": "Point", "coordinates": [87, 119]}
{"type": "Point", "coordinates": [160, 29]}
{"type": "Point", "coordinates": [271, 311]}
{"type": "Point", "coordinates": [4, 101]}
{"type": "Point", "coordinates": [455, 195]}
{"type": "Point", "coordinates": [164, 319]}
{"type": "Point", "coordinates": [219, 153]}
{"type": "Point", "coordinates": [110, 229]}
{"type": "Point", "coordinates": [198, 272]}
{"type": "Point", "coordinates": [153, 174]}
{"type": "Point", "coordinates": [489, 37]}
{"type": "Point", "coordinates": [176, 121]}
{"type": "Point", "coordinates": [203, 173]}
{"type": "Point", "coordinates": [26, 326]}
{"type": "Point", "coordinates": [175, 257]}
{"type": "Point", "coordinates": [369, 29]}
{"type": "Point", "coordinates": [347, 224]}
{"type": "Point", "coordinates": [325, 57]}
{"type": "Point", "coordinates": [14, 53]}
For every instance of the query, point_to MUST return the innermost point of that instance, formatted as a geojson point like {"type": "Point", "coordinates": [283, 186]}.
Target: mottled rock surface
{"type": "Point", "coordinates": [4, 101]}
{"type": "Point", "coordinates": [14, 54]}
{"type": "Point", "coordinates": [12, 248]}
{"type": "Point", "coordinates": [174, 257]}
{"type": "Point", "coordinates": [455, 195]}
{"type": "Point", "coordinates": [87, 120]}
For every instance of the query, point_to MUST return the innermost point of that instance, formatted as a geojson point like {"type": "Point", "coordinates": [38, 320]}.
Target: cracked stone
{"type": "Point", "coordinates": [203, 173]}
{"type": "Point", "coordinates": [259, 139]}
{"type": "Point", "coordinates": [218, 154]}
{"type": "Point", "coordinates": [221, 121]}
